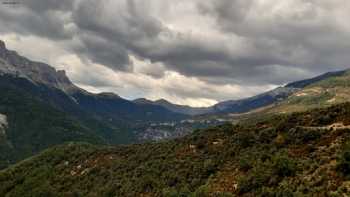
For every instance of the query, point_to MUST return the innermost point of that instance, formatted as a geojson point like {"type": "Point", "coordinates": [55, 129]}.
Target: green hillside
{"type": "Point", "coordinates": [327, 92]}
{"type": "Point", "coordinates": [34, 126]}
{"type": "Point", "coordinates": [301, 154]}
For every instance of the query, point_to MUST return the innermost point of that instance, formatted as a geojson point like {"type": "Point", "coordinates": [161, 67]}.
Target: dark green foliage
{"type": "Point", "coordinates": [264, 171]}
{"type": "Point", "coordinates": [41, 116]}
{"type": "Point", "coordinates": [228, 160]}
{"type": "Point", "coordinates": [284, 166]}
{"type": "Point", "coordinates": [267, 135]}
{"type": "Point", "coordinates": [302, 136]}
{"type": "Point", "coordinates": [245, 139]}
{"type": "Point", "coordinates": [34, 126]}
{"type": "Point", "coordinates": [258, 177]}
{"type": "Point", "coordinates": [344, 161]}
{"type": "Point", "coordinates": [245, 163]}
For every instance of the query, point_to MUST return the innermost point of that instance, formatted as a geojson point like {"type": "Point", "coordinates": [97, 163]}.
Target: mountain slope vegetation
{"type": "Point", "coordinates": [272, 97]}
{"type": "Point", "coordinates": [327, 92]}
{"type": "Point", "coordinates": [33, 126]}
{"type": "Point", "coordinates": [301, 154]}
{"type": "Point", "coordinates": [39, 116]}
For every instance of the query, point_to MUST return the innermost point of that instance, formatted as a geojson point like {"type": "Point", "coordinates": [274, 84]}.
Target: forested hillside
{"type": "Point", "coordinates": [302, 154]}
{"type": "Point", "coordinates": [32, 126]}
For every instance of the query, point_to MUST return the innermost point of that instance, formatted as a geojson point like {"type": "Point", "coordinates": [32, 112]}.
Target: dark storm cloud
{"type": "Point", "coordinates": [26, 21]}
{"type": "Point", "coordinates": [45, 5]}
{"type": "Point", "coordinates": [304, 34]}
{"type": "Point", "coordinates": [257, 42]}
{"type": "Point", "coordinates": [105, 52]}
{"type": "Point", "coordinates": [111, 33]}
{"type": "Point", "coordinates": [236, 10]}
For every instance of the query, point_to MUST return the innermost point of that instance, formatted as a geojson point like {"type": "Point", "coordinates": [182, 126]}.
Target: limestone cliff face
{"type": "Point", "coordinates": [14, 64]}
{"type": "Point", "coordinates": [3, 125]}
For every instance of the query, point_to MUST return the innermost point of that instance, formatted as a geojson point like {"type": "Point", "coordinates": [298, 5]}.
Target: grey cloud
{"type": "Point", "coordinates": [235, 10]}
{"type": "Point", "coordinates": [313, 27]}
{"type": "Point", "coordinates": [145, 36]}
{"type": "Point", "coordinates": [45, 5]}
{"type": "Point", "coordinates": [105, 52]}
{"type": "Point", "coordinates": [109, 35]}
{"type": "Point", "coordinates": [37, 18]}
{"type": "Point", "coordinates": [308, 37]}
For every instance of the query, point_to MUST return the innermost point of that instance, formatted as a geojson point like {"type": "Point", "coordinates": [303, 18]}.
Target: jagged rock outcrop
{"type": "Point", "coordinates": [14, 64]}
{"type": "Point", "coordinates": [3, 125]}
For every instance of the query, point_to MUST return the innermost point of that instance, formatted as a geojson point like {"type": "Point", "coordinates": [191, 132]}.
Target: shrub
{"type": "Point", "coordinates": [280, 140]}
{"type": "Point", "coordinates": [210, 166]}
{"type": "Point", "coordinates": [284, 166]}
{"type": "Point", "coordinates": [170, 192]}
{"type": "Point", "coordinates": [343, 165]}
{"type": "Point", "coordinates": [245, 139]}
{"type": "Point", "coordinates": [259, 176]}
{"type": "Point", "coordinates": [244, 163]}
{"type": "Point", "coordinates": [302, 136]}
{"type": "Point", "coordinates": [266, 135]}
{"type": "Point", "coordinates": [201, 191]}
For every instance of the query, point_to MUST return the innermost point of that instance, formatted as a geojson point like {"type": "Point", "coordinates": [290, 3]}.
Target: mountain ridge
{"type": "Point", "coordinates": [105, 118]}
{"type": "Point", "coordinates": [244, 105]}
{"type": "Point", "coordinates": [271, 97]}
{"type": "Point", "coordinates": [14, 64]}
{"type": "Point", "coordinates": [184, 109]}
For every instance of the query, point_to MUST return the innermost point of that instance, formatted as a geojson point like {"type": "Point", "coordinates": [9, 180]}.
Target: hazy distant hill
{"type": "Point", "coordinates": [183, 109]}
{"type": "Point", "coordinates": [247, 104]}
{"type": "Point", "coordinates": [271, 97]}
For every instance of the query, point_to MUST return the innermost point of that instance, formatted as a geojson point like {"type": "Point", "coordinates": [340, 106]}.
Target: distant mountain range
{"type": "Point", "coordinates": [182, 109]}
{"type": "Point", "coordinates": [271, 97]}
{"type": "Point", "coordinates": [243, 105]}
{"type": "Point", "coordinates": [55, 88]}
{"type": "Point", "coordinates": [41, 107]}
{"type": "Point", "coordinates": [41, 74]}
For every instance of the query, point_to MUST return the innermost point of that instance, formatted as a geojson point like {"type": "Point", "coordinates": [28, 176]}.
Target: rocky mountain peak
{"type": "Point", "coordinates": [3, 124]}
{"type": "Point", "coordinates": [2, 45]}
{"type": "Point", "coordinates": [12, 63]}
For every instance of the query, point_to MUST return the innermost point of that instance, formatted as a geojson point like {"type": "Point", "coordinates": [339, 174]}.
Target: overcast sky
{"type": "Point", "coordinates": [194, 52]}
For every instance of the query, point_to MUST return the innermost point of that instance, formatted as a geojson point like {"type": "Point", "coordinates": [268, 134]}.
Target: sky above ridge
{"type": "Point", "coordinates": [193, 52]}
